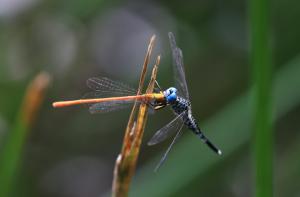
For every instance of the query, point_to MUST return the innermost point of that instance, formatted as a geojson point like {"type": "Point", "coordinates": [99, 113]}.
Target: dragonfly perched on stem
{"type": "Point", "coordinates": [109, 95]}
{"type": "Point", "coordinates": [178, 99]}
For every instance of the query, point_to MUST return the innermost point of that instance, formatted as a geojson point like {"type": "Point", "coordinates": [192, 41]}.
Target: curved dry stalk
{"type": "Point", "coordinates": [127, 159]}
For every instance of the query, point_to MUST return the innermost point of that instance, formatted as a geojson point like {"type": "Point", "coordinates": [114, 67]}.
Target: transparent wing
{"type": "Point", "coordinates": [178, 68]}
{"type": "Point", "coordinates": [105, 94]}
{"type": "Point", "coordinates": [105, 87]}
{"type": "Point", "coordinates": [110, 106]}
{"type": "Point", "coordinates": [162, 160]}
{"type": "Point", "coordinates": [168, 129]}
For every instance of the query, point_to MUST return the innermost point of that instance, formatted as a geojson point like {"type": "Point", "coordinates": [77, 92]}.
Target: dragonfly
{"type": "Point", "coordinates": [110, 95]}
{"type": "Point", "coordinates": [179, 100]}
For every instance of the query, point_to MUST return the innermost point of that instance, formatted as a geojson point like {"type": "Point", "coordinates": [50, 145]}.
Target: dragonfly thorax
{"type": "Point", "coordinates": [170, 94]}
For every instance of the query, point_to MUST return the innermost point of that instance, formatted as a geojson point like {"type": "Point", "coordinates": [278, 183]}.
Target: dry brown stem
{"type": "Point", "coordinates": [127, 159]}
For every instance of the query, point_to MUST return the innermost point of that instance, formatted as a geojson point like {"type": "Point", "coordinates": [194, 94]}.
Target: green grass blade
{"type": "Point", "coordinates": [262, 72]}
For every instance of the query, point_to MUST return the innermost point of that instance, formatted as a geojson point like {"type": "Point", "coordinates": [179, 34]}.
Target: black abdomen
{"type": "Point", "coordinates": [183, 105]}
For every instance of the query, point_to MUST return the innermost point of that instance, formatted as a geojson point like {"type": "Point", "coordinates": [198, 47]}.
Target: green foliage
{"type": "Point", "coordinates": [262, 74]}
{"type": "Point", "coordinates": [10, 156]}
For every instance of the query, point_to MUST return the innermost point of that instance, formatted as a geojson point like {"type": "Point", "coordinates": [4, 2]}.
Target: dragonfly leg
{"type": "Point", "coordinates": [158, 86]}
{"type": "Point", "coordinates": [151, 105]}
{"type": "Point", "coordinates": [157, 107]}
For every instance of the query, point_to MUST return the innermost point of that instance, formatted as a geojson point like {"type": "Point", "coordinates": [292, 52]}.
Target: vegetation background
{"type": "Point", "coordinates": [71, 153]}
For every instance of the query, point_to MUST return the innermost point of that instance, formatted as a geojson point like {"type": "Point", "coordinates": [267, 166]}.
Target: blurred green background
{"type": "Point", "coordinates": [71, 153]}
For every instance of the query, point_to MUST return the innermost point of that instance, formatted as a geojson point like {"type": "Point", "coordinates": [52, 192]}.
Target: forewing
{"type": "Point", "coordinates": [110, 106]}
{"type": "Point", "coordinates": [168, 129]}
{"type": "Point", "coordinates": [105, 94]}
{"type": "Point", "coordinates": [178, 68]}
{"type": "Point", "coordinates": [105, 85]}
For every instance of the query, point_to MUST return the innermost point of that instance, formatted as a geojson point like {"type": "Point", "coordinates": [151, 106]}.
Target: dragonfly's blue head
{"type": "Point", "coordinates": [170, 94]}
